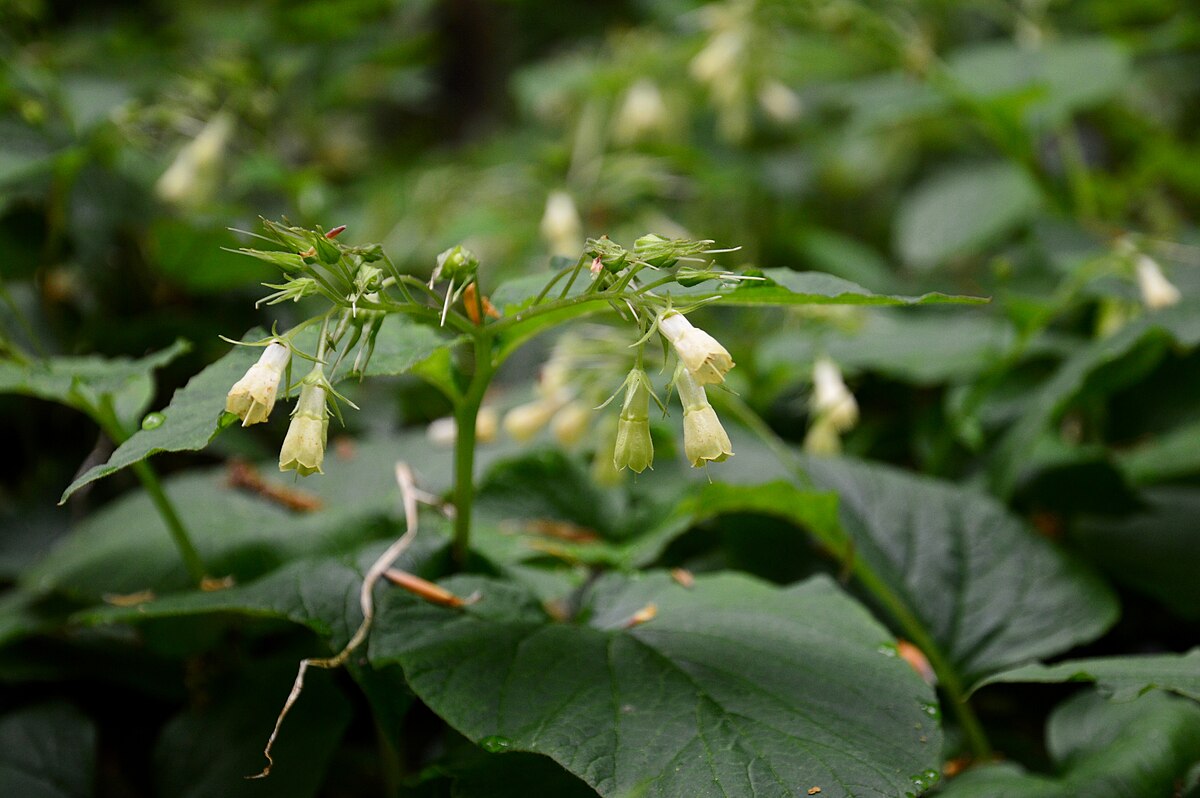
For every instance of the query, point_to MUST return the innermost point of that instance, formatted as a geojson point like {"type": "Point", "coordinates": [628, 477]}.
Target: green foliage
{"type": "Point", "coordinates": [938, 271]}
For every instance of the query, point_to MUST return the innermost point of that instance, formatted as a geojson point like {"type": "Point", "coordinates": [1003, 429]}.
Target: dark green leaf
{"type": "Point", "coordinates": [1121, 678]}
{"type": "Point", "coordinates": [1102, 366]}
{"type": "Point", "coordinates": [733, 687]}
{"type": "Point", "coordinates": [47, 751]}
{"type": "Point", "coordinates": [989, 590]}
{"type": "Point", "coordinates": [402, 344]}
{"type": "Point", "coordinates": [190, 421]}
{"type": "Point", "coordinates": [84, 383]}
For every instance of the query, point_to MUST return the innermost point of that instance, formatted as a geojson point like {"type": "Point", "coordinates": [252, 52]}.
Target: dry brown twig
{"type": "Point", "coordinates": [410, 495]}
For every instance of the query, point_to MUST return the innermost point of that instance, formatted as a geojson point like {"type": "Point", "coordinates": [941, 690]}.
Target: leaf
{"type": "Point", "coordinates": [1120, 678]}
{"type": "Point", "coordinates": [196, 412]}
{"type": "Point", "coordinates": [190, 421]}
{"type": "Point", "coordinates": [1169, 456]}
{"type": "Point", "coordinates": [47, 751]}
{"type": "Point", "coordinates": [321, 593]}
{"type": "Point", "coordinates": [85, 382]}
{"type": "Point", "coordinates": [1055, 79]}
{"type": "Point", "coordinates": [1103, 750]}
{"type": "Point", "coordinates": [207, 751]}
{"type": "Point", "coordinates": [734, 686]}
{"type": "Point", "coordinates": [1101, 367]}
{"type": "Point", "coordinates": [402, 344]}
{"type": "Point", "coordinates": [958, 212]}
{"type": "Point", "coordinates": [920, 348]}
{"type": "Point", "coordinates": [989, 590]}
{"type": "Point", "coordinates": [785, 287]}
{"type": "Point", "coordinates": [515, 775]}
{"type": "Point", "coordinates": [1155, 550]}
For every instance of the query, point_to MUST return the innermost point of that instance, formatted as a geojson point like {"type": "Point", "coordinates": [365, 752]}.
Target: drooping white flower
{"type": "Point", "coordinates": [303, 448]}
{"type": "Point", "coordinates": [704, 439]}
{"type": "Point", "coordinates": [192, 176]}
{"type": "Point", "coordinates": [253, 396]}
{"type": "Point", "coordinates": [571, 423]}
{"type": "Point", "coordinates": [561, 226]}
{"type": "Point", "coordinates": [643, 113]}
{"type": "Point", "coordinates": [822, 437]}
{"type": "Point", "coordinates": [703, 355]}
{"type": "Point", "coordinates": [527, 420]}
{"type": "Point", "coordinates": [831, 399]}
{"type": "Point", "coordinates": [634, 448]}
{"type": "Point", "coordinates": [779, 102]}
{"type": "Point", "coordinates": [1157, 290]}
{"type": "Point", "coordinates": [444, 431]}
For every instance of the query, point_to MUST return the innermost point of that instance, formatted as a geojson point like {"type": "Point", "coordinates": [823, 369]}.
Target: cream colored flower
{"type": "Point", "coordinates": [822, 437]}
{"type": "Point", "coordinates": [1157, 290]}
{"type": "Point", "coordinates": [779, 102]}
{"type": "Point", "coordinates": [561, 226]}
{"type": "Point", "coordinates": [192, 176]}
{"type": "Point", "coordinates": [253, 396]}
{"type": "Point", "coordinates": [831, 399]}
{"type": "Point", "coordinates": [642, 114]}
{"type": "Point", "coordinates": [634, 448]}
{"type": "Point", "coordinates": [304, 446]}
{"type": "Point", "coordinates": [527, 420]}
{"type": "Point", "coordinates": [571, 423]}
{"type": "Point", "coordinates": [704, 439]}
{"type": "Point", "coordinates": [703, 355]}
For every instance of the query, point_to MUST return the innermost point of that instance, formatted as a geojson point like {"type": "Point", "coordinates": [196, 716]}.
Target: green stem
{"type": "Point", "coordinates": [910, 624]}
{"type": "Point", "coordinates": [179, 533]}
{"type": "Point", "coordinates": [106, 417]}
{"type": "Point", "coordinates": [465, 415]}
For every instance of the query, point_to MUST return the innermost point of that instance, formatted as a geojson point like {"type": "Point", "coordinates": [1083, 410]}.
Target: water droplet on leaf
{"type": "Point", "coordinates": [153, 420]}
{"type": "Point", "coordinates": [495, 744]}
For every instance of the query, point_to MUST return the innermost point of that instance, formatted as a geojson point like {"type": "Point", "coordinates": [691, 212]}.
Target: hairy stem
{"type": "Point", "coordinates": [106, 417]}
{"type": "Point", "coordinates": [465, 415]}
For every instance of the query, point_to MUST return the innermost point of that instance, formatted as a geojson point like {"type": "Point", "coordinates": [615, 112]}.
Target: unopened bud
{"type": "Point", "coordinates": [192, 176]}
{"type": "Point", "coordinates": [458, 264]}
{"type": "Point", "coordinates": [253, 396]}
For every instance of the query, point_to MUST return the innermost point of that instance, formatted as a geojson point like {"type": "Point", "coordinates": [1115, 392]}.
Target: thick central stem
{"type": "Point", "coordinates": [465, 416]}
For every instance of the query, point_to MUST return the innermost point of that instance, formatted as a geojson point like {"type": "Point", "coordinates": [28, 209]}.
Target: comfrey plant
{"type": "Point", "coordinates": [650, 286]}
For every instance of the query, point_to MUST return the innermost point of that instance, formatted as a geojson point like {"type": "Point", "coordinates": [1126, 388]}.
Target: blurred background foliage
{"type": "Point", "coordinates": [1031, 151]}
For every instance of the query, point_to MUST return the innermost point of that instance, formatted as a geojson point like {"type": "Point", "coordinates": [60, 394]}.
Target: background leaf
{"type": "Point", "coordinates": [1121, 678]}
{"type": "Point", "coordinates": [47, 751]}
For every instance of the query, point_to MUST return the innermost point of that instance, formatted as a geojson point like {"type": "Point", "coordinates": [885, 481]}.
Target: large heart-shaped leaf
{"type": "Point", "coordinates": [731, 688]}
{"type": "Point", "coordinates": [989, 590]}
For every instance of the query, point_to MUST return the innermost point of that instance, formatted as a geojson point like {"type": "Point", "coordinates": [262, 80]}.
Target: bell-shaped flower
{"type": "Point", "coordinates": [831, 400]}
{"type": "Point", "coordinates": [703, 356]}
{"type": "Point", "coordinates": [253, 396]}
{"type": "Point", "coordinates": [527, 420]}
{"type": "Point", "coordinates": [704, 439]}
{"type": "Point", "coordinates": [561, 226]}
{"type": "Point", "coordinates": [634, 448]}
{"type": "Point", "coordinates": [304, 446]}
{"type": "Point", "coordinates": [571, 423]}
{"type": "Point", "coordinates": [1157, 290]}
{"type": "Point", "coordinates": [643, 113]}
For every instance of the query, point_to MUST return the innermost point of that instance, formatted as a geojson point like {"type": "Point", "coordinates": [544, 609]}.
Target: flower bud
{"type": "Point", "coordinates": [443, 432]}
{"type": "Point", "coordinates": [634, 448]}
{"type": "Point", "coordinates": [304, 446]}
{"type": "Point", "coordinates": [561, 226]}
{"type": "Point", "coordinates": [704, 439]}
{"type": "Point", "coordinates": [822, 437]}
{"type": "Point", "coordinates": [831, 399]}
{"type": "Point", "coordinates": [253, 396]}
{"type": "Point", "coordinates": [1157, 290]}
{"type": "Point", "coordinates": [458, 264]}
{"type": "Point", "coordinates": [705, 358]}
{"type": "Point", "coordinates": [571, 423]}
